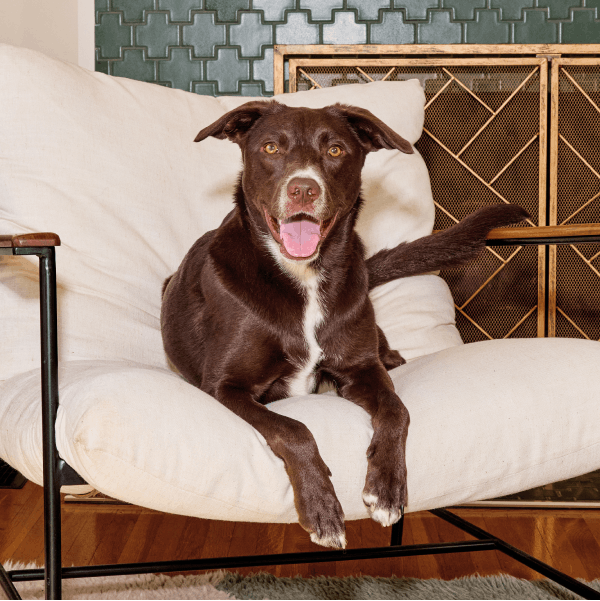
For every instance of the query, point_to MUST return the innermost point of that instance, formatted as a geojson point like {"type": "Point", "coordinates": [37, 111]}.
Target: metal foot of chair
{"type": "Point", "coordinates": [6, 584]}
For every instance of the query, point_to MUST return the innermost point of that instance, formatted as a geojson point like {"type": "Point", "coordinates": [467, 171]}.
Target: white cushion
{"type": "Point", "coordinates": [487, 419]}
{"type": "Point", "coordinates": [110, 165]}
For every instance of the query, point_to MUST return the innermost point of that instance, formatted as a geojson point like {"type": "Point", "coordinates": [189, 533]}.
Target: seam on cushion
{"type": "Point", "coordinates": [122, 461]}
{"type": "Point", "coordinates": [596, 444]}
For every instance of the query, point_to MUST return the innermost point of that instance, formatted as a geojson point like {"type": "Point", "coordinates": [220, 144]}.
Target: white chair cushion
{"type": "Point", "coordinates": [487, 419]}
{"type": "Point", "coordinates": [110, 165]}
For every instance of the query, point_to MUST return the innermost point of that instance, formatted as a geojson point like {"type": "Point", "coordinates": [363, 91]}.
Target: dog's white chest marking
{"type": "Point", "coordinates": [303, 381]}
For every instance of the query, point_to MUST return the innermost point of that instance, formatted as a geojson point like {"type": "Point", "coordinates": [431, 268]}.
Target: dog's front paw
{"type": "Point", "coordinates": [385, 493]}
{"type": "Point", "coordinates": [326, 525]}
{"type": "Point", "coordinates": [321, 515]}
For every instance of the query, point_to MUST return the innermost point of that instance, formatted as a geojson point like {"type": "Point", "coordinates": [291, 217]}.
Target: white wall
{"type": "Point", "coordinates": [63, 29]}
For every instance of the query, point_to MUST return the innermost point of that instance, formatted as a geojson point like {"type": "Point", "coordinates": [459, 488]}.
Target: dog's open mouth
{"type": "Point", "coordinates": [299, 236]}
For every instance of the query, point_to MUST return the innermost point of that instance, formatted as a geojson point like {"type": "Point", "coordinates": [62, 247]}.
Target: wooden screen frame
{"type": "Point", "coordinates": [283, 52]}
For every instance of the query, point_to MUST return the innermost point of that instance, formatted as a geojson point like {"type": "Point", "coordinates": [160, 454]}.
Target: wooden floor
{"type": "Point", "coordinates": [98, 534]}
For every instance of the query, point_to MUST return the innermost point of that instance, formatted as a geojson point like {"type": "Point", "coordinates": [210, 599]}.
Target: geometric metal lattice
{"type": "Point", "coordinates": [575, 197]}
{"type": "Point", "coordinates": [484, 142]}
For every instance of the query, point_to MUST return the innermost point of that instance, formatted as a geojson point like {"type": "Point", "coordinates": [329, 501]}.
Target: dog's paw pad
{"type": "Point", "coordinates": [337, 541]}
{"type": "Point", "coordinates": [383, 515]}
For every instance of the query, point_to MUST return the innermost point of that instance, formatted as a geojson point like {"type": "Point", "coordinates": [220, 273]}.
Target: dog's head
{"type": "Point", "coordinates": [302, 166]}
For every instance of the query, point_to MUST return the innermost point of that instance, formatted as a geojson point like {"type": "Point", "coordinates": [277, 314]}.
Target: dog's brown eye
{"type": "Point", "coordinates": [335, 151]}
{"type": "Point", "coordinates": [271, 148]}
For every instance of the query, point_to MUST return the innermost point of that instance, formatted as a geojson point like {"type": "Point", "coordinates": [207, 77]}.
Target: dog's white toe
{"type": "Point", "coordinates": [370, 500]}
{"type": "Point", "coordinates": [385, 517]}
{"type": "Point", "coordinates": [338, 542]}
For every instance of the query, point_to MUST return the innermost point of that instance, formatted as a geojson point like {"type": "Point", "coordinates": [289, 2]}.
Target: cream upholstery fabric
{"type": "Point", "coordinates": [110, 165]}
{"type": "Point", "coordinates": [487, 419]}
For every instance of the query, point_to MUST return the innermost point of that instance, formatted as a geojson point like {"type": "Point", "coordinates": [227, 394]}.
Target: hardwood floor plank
{"type": "Point", "coordinates": [485, 563]}
{"type": "Point", "coordinates": [269, 541]}
{"type": "Point", "coordinates": [137, 547]}
{"type": "Point", "coordinates": [21, 525]}
{"type": "Point", "coordinates": [190, 543]}
{"type": "Point", "coordinates": [566, 539]}
{"type": "Point", "coordinates": [572, 542]}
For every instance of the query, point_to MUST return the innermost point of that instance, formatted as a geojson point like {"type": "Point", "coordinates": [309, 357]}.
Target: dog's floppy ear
{"type": "Point", "coordinates": [235, 124]}
{"type": "Point", "coordinates": [373, 133]}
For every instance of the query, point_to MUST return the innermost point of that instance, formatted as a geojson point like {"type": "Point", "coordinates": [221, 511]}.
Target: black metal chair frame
{"type": "Point", "coordinates": [58, 473]}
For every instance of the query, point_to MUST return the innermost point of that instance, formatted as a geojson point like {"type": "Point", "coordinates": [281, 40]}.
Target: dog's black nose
{"type": "Point", "coordinates": [303, 190]}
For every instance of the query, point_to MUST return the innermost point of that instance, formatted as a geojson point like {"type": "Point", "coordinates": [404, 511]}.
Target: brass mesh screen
{"type": "Point", "coordinates": [578, 199]}
{"type": "Point", "coordinates": [481, 144]}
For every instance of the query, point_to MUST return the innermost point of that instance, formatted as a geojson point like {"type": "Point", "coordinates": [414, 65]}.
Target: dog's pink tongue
{"type": "Point", "coordinates": [300, 238]}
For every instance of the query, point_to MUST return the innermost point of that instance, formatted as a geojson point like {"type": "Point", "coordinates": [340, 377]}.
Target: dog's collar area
{"type": "Point", "coordinates": [299, 236]}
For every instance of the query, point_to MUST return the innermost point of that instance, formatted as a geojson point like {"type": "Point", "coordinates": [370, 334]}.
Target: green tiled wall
{"type": "Point", "coordinates": [226, 46]}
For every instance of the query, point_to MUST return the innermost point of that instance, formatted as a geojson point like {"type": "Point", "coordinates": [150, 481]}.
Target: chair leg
{"type": "Point", "coordinates": [397, 530]}
{"type": "Point", "coordinates": [6, 584]}
{"type": "Point", "coordinates": [48, 315]}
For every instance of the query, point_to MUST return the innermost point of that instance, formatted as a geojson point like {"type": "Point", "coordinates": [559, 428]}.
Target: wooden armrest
{"type": "Point", "coordinates": [27, 240]}
{"type": "Point", "coordinates": [552, 231]}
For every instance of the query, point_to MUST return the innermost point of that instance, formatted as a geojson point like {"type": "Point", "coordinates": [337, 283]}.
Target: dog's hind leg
{"type": "Point", "coordinates": [388, 357]}
{"type": "Point", "coordinates": [385, 492]}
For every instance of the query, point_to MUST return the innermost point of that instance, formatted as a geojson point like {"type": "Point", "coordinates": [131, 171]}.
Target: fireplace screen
{"type": "Point", "coordinates": [484, 142]}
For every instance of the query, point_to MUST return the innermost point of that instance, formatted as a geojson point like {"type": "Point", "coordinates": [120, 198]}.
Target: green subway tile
{"type": "Point", "coordinates": [464, 9]}
{"type": "Point", "coordinates": [392, 30]}
{"type": "Point", "coordinates": [345, 30]}
{"type": "Point", "coordinates": [592, 4]}
{"type": "Point", "coordinates": [180, 70]}
{"type": "Point", "coordinates": [180, 10]}
{"type": "Point", "coordinates": [297, 30]}
{"type": "Point", "coordinates": [321, 10]}
{"type": "Point", "coordinates": [227, 9]}
{"type": "Point", "coordinates": [274, 9]}
{"type": "Point", "coordinates": [133, 9]}
{"type": "Point", "coordinates": [157, 35]}
{"type": "Point", "coordinates": [416, 9]}
{"type": "Point", "coordinates": [439, 29]}
{"type": "Point", "coordinates": [227, 70]}
{"type": "Point", "coordinates": [511, 10]}
{"type": "Point", "coordinates": [262, 70]}
{"type": "Point", "coordinates": [101, 66]}
{"type": "Point", "coordinates": [250, 89]}
{"type": "Point", "coordinates": [582, 29]}
{"type": "Point", "coordinates": [368, 10]}
{"type": "Point", "coordinates": [101, 6]}
{"type": "Point", "coordinates": [487, 29]}
{"type": "Point", "coordinates": [251, 35]}
{"type": "Point", "coordinates": [205, 89]}
{"type": "Point", "coordinates": [535, 28]}
{"type": "Point", "coordinates": [134, 66]}
{"type": "Point", "coordinates": [559, 9]}
{"type": "Point", "coordinates": [204, 35]}
{"type": "Point", "coordinates": [112, 35]}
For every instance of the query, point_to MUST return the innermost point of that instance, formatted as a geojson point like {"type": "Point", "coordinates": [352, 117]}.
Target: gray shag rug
{"type": "Point", "coordinates": [227, 585]}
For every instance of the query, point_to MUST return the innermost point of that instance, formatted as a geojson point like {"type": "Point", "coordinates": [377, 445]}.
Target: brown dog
{"type": "Point", "coordinates": [275, 300]}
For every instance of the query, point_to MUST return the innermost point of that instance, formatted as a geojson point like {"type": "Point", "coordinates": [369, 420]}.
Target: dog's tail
{"type": "Point", "coordinates": [450, 248]}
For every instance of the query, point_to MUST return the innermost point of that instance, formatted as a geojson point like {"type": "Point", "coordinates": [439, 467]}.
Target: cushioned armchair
{"type": "Point", "coordinates": [109, 165]}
